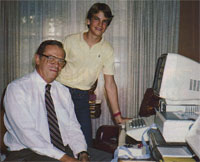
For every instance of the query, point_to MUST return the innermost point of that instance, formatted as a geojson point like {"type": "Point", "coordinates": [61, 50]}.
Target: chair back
{"type": "Point", "coordinates": [149, 103]}
{"type": "Point", "coordinates": [2, 128]}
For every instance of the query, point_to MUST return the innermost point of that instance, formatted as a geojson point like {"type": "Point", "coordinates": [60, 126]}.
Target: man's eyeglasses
{"type": "Point", "coordinates": [53, 59]}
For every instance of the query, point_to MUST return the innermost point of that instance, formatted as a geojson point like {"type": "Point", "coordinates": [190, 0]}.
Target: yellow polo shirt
{"type": "Point", "coordinates": [84, 64]}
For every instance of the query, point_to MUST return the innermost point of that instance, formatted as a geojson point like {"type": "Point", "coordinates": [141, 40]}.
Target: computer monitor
{"type": "Point", "coordinates": [177, 80]}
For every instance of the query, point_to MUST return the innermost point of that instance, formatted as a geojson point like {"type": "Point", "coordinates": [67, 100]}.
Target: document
{"type": "Point", "coordinates": [193, 137]}
{"type": "Point", "coordinates": [135, 151]}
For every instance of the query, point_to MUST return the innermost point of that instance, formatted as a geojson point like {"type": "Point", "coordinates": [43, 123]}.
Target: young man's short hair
{"type": "Point", "coordinates": [95, 8]}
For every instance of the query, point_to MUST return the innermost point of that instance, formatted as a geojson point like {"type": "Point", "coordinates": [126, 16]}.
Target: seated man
{"type": "Point", "coordinates": [39, 114]}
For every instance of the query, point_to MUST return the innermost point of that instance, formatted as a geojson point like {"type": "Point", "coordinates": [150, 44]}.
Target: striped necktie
{"type": "Point", "coordinates": [54, 130]}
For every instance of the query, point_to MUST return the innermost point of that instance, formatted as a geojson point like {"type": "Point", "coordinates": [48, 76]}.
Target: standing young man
{"type": "Point", "coordinates": [87, 55]}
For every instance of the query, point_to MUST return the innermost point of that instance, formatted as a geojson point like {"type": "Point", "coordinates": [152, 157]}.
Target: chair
{"type": "Point", "coordinates": [3, 128]}
{"type": "Point", "coordinates": [107, 138]}
{"type": "Point", "coordinates": [149, 102]}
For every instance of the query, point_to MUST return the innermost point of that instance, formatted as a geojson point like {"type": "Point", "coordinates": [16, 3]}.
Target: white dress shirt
{"type": "Point", "coordinates": [26, 117]}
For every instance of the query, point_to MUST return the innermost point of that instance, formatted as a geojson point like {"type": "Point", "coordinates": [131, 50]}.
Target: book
{"type": "Point", "coordinates": [174, 159]}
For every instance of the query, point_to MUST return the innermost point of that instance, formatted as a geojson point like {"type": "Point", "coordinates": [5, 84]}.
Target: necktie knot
{"type": "Point", "coordinates": [48, 87]}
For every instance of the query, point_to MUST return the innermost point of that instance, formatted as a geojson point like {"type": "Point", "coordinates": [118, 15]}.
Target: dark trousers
{"type": "Point", "coordinates": [27, 155]}
{"type": "Point", "coordinates": [81, 105]}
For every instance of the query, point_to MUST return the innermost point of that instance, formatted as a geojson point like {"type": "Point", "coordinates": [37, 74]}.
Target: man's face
{"type": "Point", "coordinates": [49, 69]}
{"type": "Point", "coordinates": [98, 24]}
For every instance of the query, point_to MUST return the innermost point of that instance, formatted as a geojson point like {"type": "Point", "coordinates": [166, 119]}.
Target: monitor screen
{"type": "Point", "coordinates": [159, 73]}
{"type": "Point", "coordinates": [177, 79]}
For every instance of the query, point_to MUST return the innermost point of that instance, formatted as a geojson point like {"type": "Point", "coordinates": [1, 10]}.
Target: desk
{"type": "Point", "coordinates": [122, 141]}
{"type": "Point", "coordinates": [135, 161]}
{"type": "Point", "coordinates": [122, 136]}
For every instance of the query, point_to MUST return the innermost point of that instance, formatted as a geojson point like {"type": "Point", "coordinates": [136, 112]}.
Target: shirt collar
{"type": "Point", "coordinates": [82, 39]}
{"type": "Point", "coordinates": [40, 81]}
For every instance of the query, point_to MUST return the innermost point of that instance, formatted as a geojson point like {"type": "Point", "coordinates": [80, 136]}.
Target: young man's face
{"type": "Point", "coordinates": [98, 24]}
{"type": "Point", "coordinates": [49, 69]}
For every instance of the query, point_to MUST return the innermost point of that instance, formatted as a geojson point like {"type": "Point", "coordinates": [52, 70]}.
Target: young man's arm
{"type": "Point", "coordinates": [112, 93]}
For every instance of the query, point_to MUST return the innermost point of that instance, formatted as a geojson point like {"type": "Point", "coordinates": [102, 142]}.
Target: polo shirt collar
{"type": "Point", "coordinates": [82, 39]}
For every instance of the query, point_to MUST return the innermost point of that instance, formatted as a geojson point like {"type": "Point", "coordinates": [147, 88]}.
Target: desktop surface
{"type": "Point", "coordinates": [125, 140]}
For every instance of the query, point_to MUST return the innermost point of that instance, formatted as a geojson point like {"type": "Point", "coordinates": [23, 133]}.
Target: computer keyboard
{"type": "Point", "coordinates": [187, 115]}
{"type": "Point", "coordinates": [137, 123]}
{"type": "Point", "coordinates": [135, 127]}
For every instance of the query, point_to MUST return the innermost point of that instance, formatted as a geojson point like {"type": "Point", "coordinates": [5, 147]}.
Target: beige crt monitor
{"type": "Point", "coordinates": [177, 79]}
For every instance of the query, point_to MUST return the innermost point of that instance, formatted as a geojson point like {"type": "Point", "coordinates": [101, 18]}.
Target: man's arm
{"type": "Point", "coordinates": [112, 93]}
{"type": "Point", "coordinates": [23, 124]}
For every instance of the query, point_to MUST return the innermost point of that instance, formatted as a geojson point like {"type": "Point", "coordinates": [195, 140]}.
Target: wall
{"type": "Point", "coordinates": [189, 29]}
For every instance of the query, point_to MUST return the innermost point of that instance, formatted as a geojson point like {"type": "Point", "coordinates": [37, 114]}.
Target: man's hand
{"type": "Point", "coordinates": [84, 157]}
{"type": "Point", "coordinates": [67, 158]}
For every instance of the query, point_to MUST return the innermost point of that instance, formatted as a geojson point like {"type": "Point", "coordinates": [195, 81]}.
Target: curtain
{"type": "Point", "coordinates": [140, 32]}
